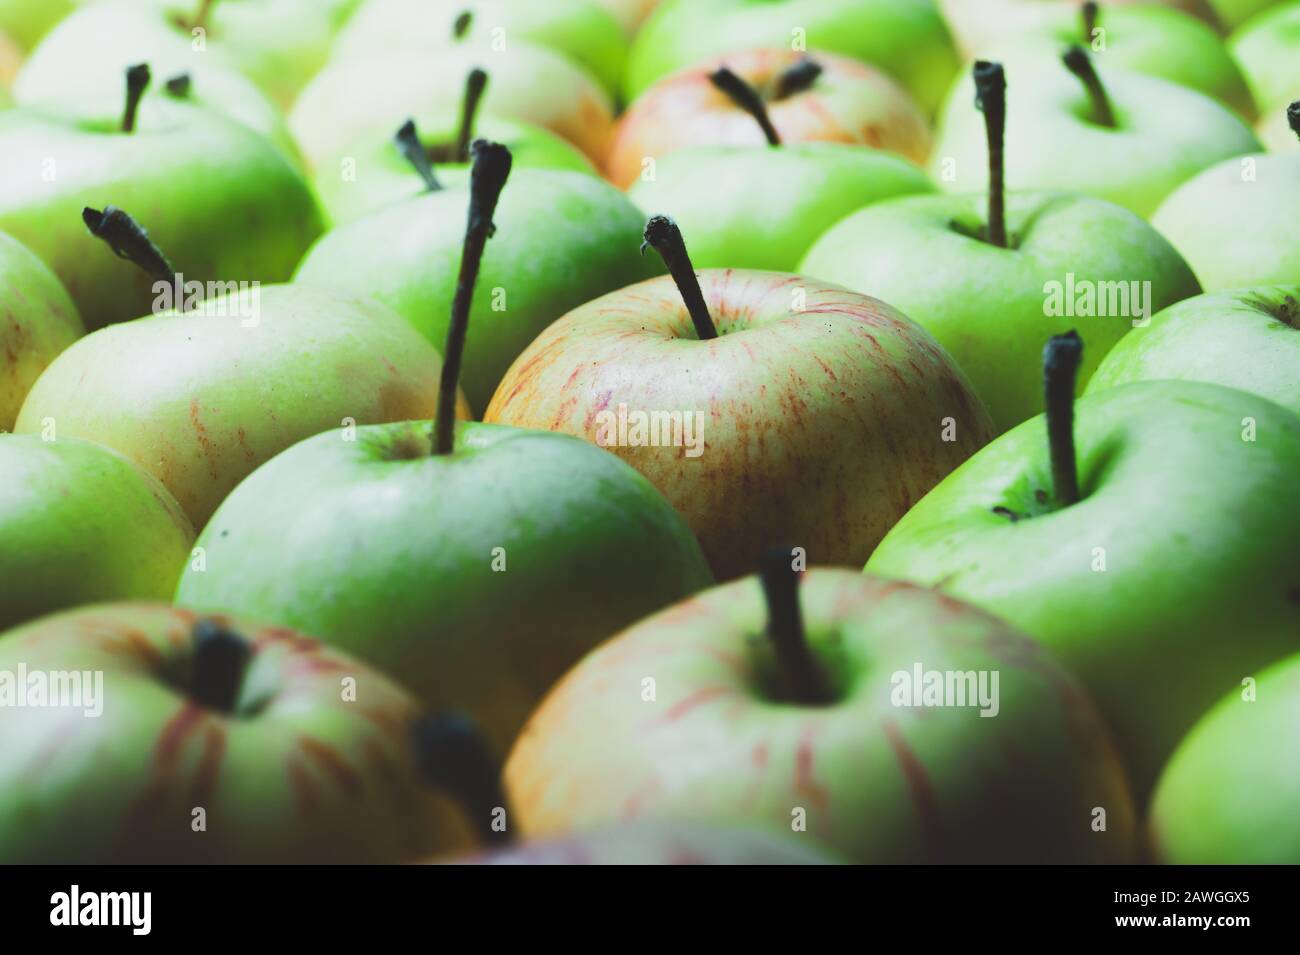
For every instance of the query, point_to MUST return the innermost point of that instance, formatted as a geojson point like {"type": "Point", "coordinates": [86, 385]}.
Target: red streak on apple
{"type": "Point", "coordinates": [688, 703]}
{"type": "Point", "coordinates": [804, 783]}
{"type": "Point", "coordinates": [918, 782]}
{"type": "Point", "coordinates": [335, 766]}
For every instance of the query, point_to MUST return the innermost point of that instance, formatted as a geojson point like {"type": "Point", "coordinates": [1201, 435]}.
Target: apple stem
{"type": "Point", "coordinates": [486, 180]}
{"type": "Point", "coordinates": [462, 24]}
{"type": "Point", "coordinates": [475, 84]}
{"type": "Point", "coordinates": [200, 21]}
{"type": "Point", "coordinates": [805, 681]}
{"type": "Point", "coordinates": [137, 81]}
{"type": "Point", "coordinates": [128, 240]}
{"type": "Point", "coordinates": [662, 233]}
{"type": "Point", "coordinates": [217, 672]}
{"type": "Point", "coordinates": [409, 145]}
{"type": "Point", "coordinates": [452, 754]}
{"type": "Point", "coordinates": [1080, 64]}
{"type": "Point", "coordinates": [1090, 11]}
{"type": "Point", "coordinates": [797, 79]}
{"type": "Point", "coordinates": [747, 98]}
{"type": "Point", "coordinates": [991, 100]}
{"type": "Point", "coordinates": [1061, 357]}
{"type": "Point", "coordinates": [180, 85]}
{"type": "Point", "coordinates": [1293, 117]}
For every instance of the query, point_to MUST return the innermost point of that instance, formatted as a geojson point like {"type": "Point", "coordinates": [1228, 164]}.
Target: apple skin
{"type": "Point", "coordinates": [580, 29]}
{"type": "Point", "coordinates": [906, 39]}
{"type": "Point", "coordinates": [82, 524]}
{"type": "Point", "coordinates": [39, 322]}
{"type": "Point", "coordinates": [822, 423]}
{"type": "Point", "coordinates": [387, 552]}
{"type": "Point", "coordinates": [630, 13]}
{"type": "Point", "coordinates": [1167, 133]}
{"type": "Point", "coordinates": [372, 173]}
{"type": "Point", "coordinates": [26, 21]}
{"type": "Point", "coordinates": [296, 774]}
{"type": "Point", "coordinates": [574, 237]}
{"type": "Point", "coordinates": [1275, 131]}
{"type": "Point", "coordinates": [1228, 795]}
{"type": "Point", "coordinates": [978, 23]}
{"type": "Point", "coordinates": [222, 203]}
{"type": "Point", "coordinates": [1267, 48]}
{"type": "Point", "coordinates": [351, 100]}
{"type": "Point", "coordinates": [849, 103]}
{"type": "Point", "coordinates": [1236, 232]}
{"type": "Point", "coordinates": [1152, 642]}
{"type": "Point", "coordinates": [985, 304]}
{"type": "Point", "coordinates": [662, 842]}
{"type": "Point", "coordinates": [220, 398]}
{"type": "Point", "coordinates": [880, 784]}
{"type": "Point", "coordinates": [721, 196]}
{"type": "Point", "coordinates": [1247, 339]}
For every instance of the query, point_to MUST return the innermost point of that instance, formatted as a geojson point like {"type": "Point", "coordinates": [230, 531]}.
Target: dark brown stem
{"type": "Point", "coordinates": [129, 241]}
{"type": "Point", "coordinates": [137, 81]}
{"type": "Point", "coordinates": [991, 100]}
{"type": "Point", "coordinates": [452, 754]}
{"type": "Point", "coordinates": [797, 79]}
{"type": "Point", "coordinates": [460, 26]}
{"type": "Point", "coordinates": [662, 233]}
{"type": "Point", "coordinates": [1080, 64]}
{"type": "Point", "coordinates": [180, 86]}
{"type": "Point", "coordinates": [1089, 11]}
{"type": "Point", "coordinates": [803, 676]}
{"type": "Point", "coordinates": [408, 144]}
{"type": "Point", "coordinates": [1293, 117]}
{"type": "Point", "coordinates": [1061, 358]}
{"type": "Point", "coordinates": [747, 98]}
{"type": "Point", "coordinates": [220, 660]}
{"type": "Point", "coordinates": [475, 84]}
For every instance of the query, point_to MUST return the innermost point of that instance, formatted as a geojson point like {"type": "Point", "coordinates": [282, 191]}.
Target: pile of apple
{"type": "Point", "coordinates": [456, 430]}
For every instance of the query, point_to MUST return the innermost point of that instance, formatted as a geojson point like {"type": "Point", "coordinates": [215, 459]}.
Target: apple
{"type": "Point", "coordinates": [1235, 222]}
{"type": "Point", "coordinates": [1142, 135]}
{"type": "Point", "coordinates": [355, 99]}
{"type": "Point", "coordinates": [978, 272]}
{"type": "Point", "coordinates": [573, 238]}
{"type": "Point", "coordinates": [229, 382]}
{"type": "Point", "coordinates": [226, 205]}
{"type": "Point", "coordinates": [763, 405]}
{"type": "Point", "coordinates": [1247, 339]}
{"type": "Point", "coordinates": [40, 321]}
{"type": "Point", "coordinates": [1229, 793]}
{"type": "Point", "coordinates": [1267, 48]}
{"type": "Point", "coordinates": [630, 13]}
{"type": "Point", "coordinates": [26, 21]}
{"type": "Point", "coordinates": [1233, 13]}
{"type": "Point", "coordinates": [1274, 127]}
{"type": "Point", "coordinates": [476, 564]}
{"type": "Point", "coordinates": [801, 713]}
{"type": "Point", "coordinates": [178, 739]}
{"type": "Point", "coordinates": [81, 524]}
{"type": "Point", "coordinates": [581, 30]}
{"type": "Point", "coordinates": [808, 98]}
{"type": "Point", "coordinates": [1094, 543]}
{"type": "Point", "coordinates": [905, 38]}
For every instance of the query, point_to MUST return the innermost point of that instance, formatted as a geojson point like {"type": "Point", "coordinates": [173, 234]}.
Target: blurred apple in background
{"type": "Point", "coordinates": [817, 97]}
{"type": "Point", "coordinates": [630, 13]}
{"type": "Point", "coordinates": [24, 22]}
{"type": "Point", "coordinates": [1268, 48]}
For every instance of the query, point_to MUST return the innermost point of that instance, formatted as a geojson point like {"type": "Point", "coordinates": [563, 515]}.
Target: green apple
{"type": "Point", "coordinates": [582, 30]}
{"type": "Point", "coordinates": [630, 13]}
{"type": "Point", "coordinates": [800, 98]}
{"type": "Point", "coordinates": [573, 237]}
{"type": "Point", "coordinates": [1236, 222]}
{"type": "Point", "coordinates": [1160, 568]}
{"type": "Point", "coordinates": [1229, 793]}
{"type": "Point", "coordinates": [423, 553]}
{"type": "Point", "coordinates": [991, 300]}
{"type": "Point", "coordinates": [229, 382]}
{"type": "Point", "coordinates": [817, 711]}
{"type": "Point", "coordinates": [164, 738]}
{"type": "Point", "coordinates": [353, 100]}
{"type": "Point", "coordinates": [81, 524]}
{"type": "Point", "coordinates": [226, 204]}
{"type": "Point", "coordinates": [1233, 13]}
{"type": "Point", "coordinates": [764, 405]}
{"type": "Point", "coordinates": [40, 321]}
{"type": "Point", "coordinates": [1247, 339]}
{"type": "Point", "coordinates": [1267, 47]}
{"type": "Point", "coordinates": [1142, 135]}
{"type": "Point", "coordinates": [26, 21]}
{"type": "Point", "coordinates": [905, 38]}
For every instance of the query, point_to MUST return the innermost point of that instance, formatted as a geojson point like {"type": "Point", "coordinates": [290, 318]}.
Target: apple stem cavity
{"type": "Point", "coordinates": [137, 81]}
{"type": "Point", "coordinates": [452, 754]}
{"type": "Point", "coordinates": [460, 26]}
{"type": "Point", "coordinates": [412, 150]}
{"type": "Point", "coordinates": [1079, 63]}
{"type": "Point", "coordinates": [200, 19]}
{"type": "Point", "coordinates": [220, 659]}
{"type": "Point", "coordinates": [796, 79]}
{"type": "Point", "coordinates": [1293, 117]}
{"type": "Point", "coordinates": [747, 98]}
{"type": "Point", "coordinates": [1089, 11]}
{"type": "Point", "coordinates": [1061, 357]}
{"type": "Point", "coordinates": [662, 233]}
{"type": "Point", "coordinates": [180, 86]}
{"type": "Point", "coordinates": [486, 180]}
{"type": "Point", "coordinates": [991, 100]}
{"type": "Point", "coordinates": [128, 240]}
{"type": "Point", "coordinates": [475, 84]}
{"type": "Point", "coordinates": [804, 680]}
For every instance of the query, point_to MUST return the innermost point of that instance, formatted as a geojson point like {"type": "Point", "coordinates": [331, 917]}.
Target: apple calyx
{"type": "Point", "coordinates": [803, 680]}
{"type": "Point", "coordinates": [460, 26]}
{"type": "Point", "coordinates": [1293, 117]}
{"type": "Point", "coordinates": [796, 79]}
{"type": "Point", "coordinates": [452, 754]}
{"type": "Point", "coordinates": [475, 84]}
{"type": "Point", "coordinates": [991, 100]}
{"type": "Point", "coordinates": [217, 670]}
{"type": "Point", "coordinates": [1079, 63]}
{"type": "Point", "coordinates": [408, 144]}
{"type": "Point", "coordinates": [747, 98]}
{"type": "Point", "coordinates": [1089, 12]}
{"type": "Point", "coordinates": [486, 180]}
{"type": "Point", "coordinates": [128, 240]}
{"type": "Point", "coordinates": [1061, 357]}
{"type": "Point", "coordinates": [662, 233]}
{"type": "Point", "coordinates": [180, 86]}
{"type": "Point", "coordinates": [137, 81]}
